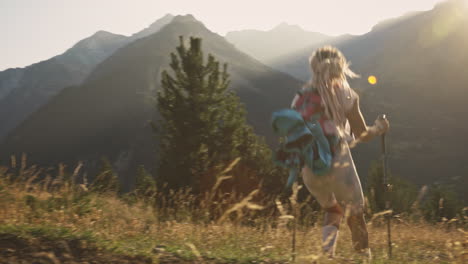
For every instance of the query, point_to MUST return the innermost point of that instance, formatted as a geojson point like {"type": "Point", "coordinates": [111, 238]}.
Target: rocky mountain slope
{"type": "Point", "coordinates": [109, 114]}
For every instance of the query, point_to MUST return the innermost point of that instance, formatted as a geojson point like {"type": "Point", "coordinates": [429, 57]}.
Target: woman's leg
{"type": "Point", "coordinates": [348, 191]}
{"type": "Point", "coordinates": [319, 187]}
{"type": "Point", "coordinates": [358, 228]}
{"type": "Point", "coordinates": [341, 187]}
{"type": "Point", "coordinates": [332, 220]}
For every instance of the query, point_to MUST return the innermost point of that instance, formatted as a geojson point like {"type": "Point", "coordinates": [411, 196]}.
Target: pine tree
{"type": "Point", "coordinates": [375, 188]}
{"type": "Point", "coordinates": [402, 195]}
{"type": "Point", "coordinates": [145, 184]}
{"type": "Point", "coordinates": [203, 124]}
{"type": "Point", "coordinates": [106, 180]}
{"type": "Point", "coordinates": [442, 202]}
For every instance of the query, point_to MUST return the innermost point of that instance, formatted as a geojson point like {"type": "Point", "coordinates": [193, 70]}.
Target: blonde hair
{"type": "Point", "coordinates": [330, 68]}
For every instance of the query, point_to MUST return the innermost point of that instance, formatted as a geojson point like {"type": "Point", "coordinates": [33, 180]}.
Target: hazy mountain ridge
{"type": "Point", "coordinates": [391, 21]}
{"type": "Point", "coordinates": [93, 49]}
{"type": "Point", "coordinates": [109, 113]}
{"type": "Point", "coordinates": [36, 84]}
{"type": "Point", "coordinates": [418, 60]}
{"type": "Point", "coordinates": [267, 46]}
{"type": "Point", "coordinates": [24, 90]}
{"type": "Point", "coordinates": [9, 80]}
{"type": "Point", "coordinates": [153, 28]}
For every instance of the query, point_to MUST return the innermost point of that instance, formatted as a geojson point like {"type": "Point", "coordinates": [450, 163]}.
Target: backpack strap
{"type": "Point", "coordinates": [308, 103]}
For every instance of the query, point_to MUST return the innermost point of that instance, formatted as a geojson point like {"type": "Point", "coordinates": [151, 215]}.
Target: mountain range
{"type": "Point", "coordinates": [24, 90]}
{"type": "Point", "coordinates": [109, 114]}
{"type": "Point", "coordinates": [418, 59]}
{"type": "Point", "coordinates": [268, 46]}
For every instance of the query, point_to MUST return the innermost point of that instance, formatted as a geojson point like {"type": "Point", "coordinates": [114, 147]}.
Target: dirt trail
{"type": "Point", "coordinates": [17, 250]}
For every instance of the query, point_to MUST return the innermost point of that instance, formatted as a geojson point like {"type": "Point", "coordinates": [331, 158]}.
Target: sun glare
{"type": "Point", "coordinates": [372, 80]}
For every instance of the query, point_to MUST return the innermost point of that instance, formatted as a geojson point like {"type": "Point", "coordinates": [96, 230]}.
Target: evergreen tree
{"type": "Point", "coordinates": [439, 203]}
{"type": "Point", "coordinates": [375, 188]}
{"type": "Point", "coordinates": [442, 202]}
{"type": "Point", "coordinates": [106, 180]}
{"type": "Point", "coordinates": [402, 194]}
{"type": "Point", "coordinates": [145, 184]}
{"type": "Point", "coordinates": [203, 125]}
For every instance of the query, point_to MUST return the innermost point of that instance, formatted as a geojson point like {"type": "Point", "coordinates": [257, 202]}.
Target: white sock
{"type": "Point", "coordinates": [329, 238]}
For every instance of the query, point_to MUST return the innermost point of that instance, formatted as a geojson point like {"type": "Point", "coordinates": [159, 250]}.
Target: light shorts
{"type": "Point", "coordinates": [341, 185]}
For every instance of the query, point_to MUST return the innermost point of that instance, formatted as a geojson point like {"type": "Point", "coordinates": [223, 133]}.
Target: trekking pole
{"type": "Point", "coordinates": [387, 190]}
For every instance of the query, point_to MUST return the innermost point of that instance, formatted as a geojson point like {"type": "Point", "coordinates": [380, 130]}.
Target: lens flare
{"type": "Point", "coordinates": [372, 80]}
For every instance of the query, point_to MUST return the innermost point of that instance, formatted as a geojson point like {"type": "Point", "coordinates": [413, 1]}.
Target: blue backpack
{"type": "Point", "coordinates": [305, 142]}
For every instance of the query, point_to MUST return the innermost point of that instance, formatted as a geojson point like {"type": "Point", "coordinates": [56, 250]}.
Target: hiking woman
{"type": "Point", "coordinates": [339, 192]}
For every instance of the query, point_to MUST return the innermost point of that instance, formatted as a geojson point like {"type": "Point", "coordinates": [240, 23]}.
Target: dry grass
{"type": "Point", "coordinates": [241, 231]}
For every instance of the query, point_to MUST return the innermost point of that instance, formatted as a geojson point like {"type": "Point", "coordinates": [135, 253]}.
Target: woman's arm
{"type": "Point", "coordinates": [361, 131]}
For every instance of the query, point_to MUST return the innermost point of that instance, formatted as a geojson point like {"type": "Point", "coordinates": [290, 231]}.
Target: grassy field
{"type": "Point", "coordinates": [62, 222]}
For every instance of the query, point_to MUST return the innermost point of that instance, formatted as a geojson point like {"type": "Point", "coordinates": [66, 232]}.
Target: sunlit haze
{"type": "Point", "coordinates": [37, 30]}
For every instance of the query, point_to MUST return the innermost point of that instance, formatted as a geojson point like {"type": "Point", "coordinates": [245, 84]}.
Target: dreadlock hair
{"type": "Point", "coordinates": [329, 70]}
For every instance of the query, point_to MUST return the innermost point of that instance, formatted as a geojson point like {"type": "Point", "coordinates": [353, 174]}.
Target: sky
{"type": "Point", "coordinates": [35, 30]}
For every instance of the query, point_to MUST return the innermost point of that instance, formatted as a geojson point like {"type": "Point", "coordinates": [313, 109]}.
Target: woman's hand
{"type": "Point", "coordinates": [381, 125]}
{"type": "Point", "coordinates": [361, 131]}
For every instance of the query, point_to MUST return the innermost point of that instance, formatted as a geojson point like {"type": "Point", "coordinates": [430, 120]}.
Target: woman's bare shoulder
{"type": "Point", "coordinates": [350, 98]}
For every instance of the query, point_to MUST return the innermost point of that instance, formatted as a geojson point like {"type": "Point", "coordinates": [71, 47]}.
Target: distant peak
{"type": "Point", "coordinates": [102, 33]}
{"type": "Point", "coordinates": [285, 26]}
{"type": "Point", "coordinates": [185, 18]}
{"type": "Point", "coordinates": [391, 21]}
{"type": "Point", "coordinates": [154, 27]}
{"type": "Point", "coordinates": [163, 20]}
{"type": "Point", "coordinates": [451, 5]}
{"type": "Point", "coordinates": [282, 24]}
{"type": "Point", "coordinates": [457, 3]}
{"type": "Point", "coordinates": [99, 38]}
